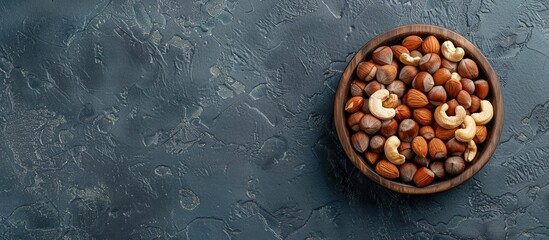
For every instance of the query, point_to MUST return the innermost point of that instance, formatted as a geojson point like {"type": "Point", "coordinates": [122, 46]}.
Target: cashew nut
{"type": "Point", "coordinates": [467, 133]}
{"type": "Point", "coordinates": [375, 104]}
{"type": "Point", "coordinates": [391, 101]}
{"type": "Point", "coordinates": [454, 54]}
{"type": "Point", "coordinates": [409, 60]}
{"type": "Point", "coordinates": [391, 151]}
{"type": "Point", "coordinates": [446, 121]}
{"type": "Point", "coordinates": [486, 113]}
{"type": "Point", "coordinates": [471, 151]}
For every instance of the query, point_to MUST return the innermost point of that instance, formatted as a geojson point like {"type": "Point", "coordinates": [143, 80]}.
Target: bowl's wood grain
{"type": "Point", "coordinates": [485, 150]}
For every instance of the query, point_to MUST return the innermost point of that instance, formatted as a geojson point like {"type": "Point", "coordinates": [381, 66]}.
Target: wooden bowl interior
{"type": "Point", "coordinates": [486, 72]}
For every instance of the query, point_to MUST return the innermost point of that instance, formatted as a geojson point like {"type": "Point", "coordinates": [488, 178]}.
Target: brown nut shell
{"type": "Point", "coordinates": [423, 177]}
{"type": "Point", "coordinates": [408, 129]}
{"type": "Point", "coordinates": [467, 68]}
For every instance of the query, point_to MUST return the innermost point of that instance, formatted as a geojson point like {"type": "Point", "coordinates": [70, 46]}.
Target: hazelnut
{"type": "Point", "coordinates": [467, 85]}
{"type": "Point", "coordinates": [475, 104]}
{"type": "Point", "coordinates": [407, 171]}
{"type": "Point", "coordinates": [402, 112]}
{"type": "Point", "coordinates": [357, 88]}
{"type": "Point", "coordinates": [421, 161]}
{"type": "Point", "coordinates": [430, 62]}
{"type": "Point", "coordinates": [408, 73]}
{"type": "Point", "coordinates": [467, 68]}
{"type": "Point", "coordinates": [427, 132]}
{"type": "Point", "coordinates": [386, 74]}
{"type": "Point", "coordinates": [420, 147]}
{"type": "Point", "coordinates": [405, 148]}
{"type": "Point", "coordinates": [360, 141]}
{"type": "Point", "coordinates": [441, 76]}
{"type": "Point", "coordinates": [423, 116]}
{"type": "Point", "coordinates": [372, 87]}
{"type": "Point", "coordinates": [423, 177]}
{"type": "Point", "coordinates": [438, 169]}
{"type": "Point", "coordinates": [464, 99]}
{"type": "Point", "coordinates": [412, 42]}
{"type": "Point", "coordinates": [481, 89]}
{"type": "Point", "coordinates": [354, 104]}
{"type": "Point", "coordinates": [452, 88]}
{"type": "Point", "coordinates": [437, 148]}
{"type": "Point", "coordinates": [365, 107]}
{"type": "Point", "coordinates": [455, 147]}
{"type": "Point", "coordinates": [430, 45]}
{"type": "Point", "coordinates": [407, 130]}
{"type": "Point", "coordinates": [452, 104]}
{"type": "Point", "coordinates": [354, 120]}
{"type": "Point", "coordinates": [377, 143]}
{"type": "Point", "coordinates": [423, 82]}
{"type": "Point", "coordinates": [366, 71]}
{"type": "Point", "coordinates": [437, 95]}
{"type": "Point", "coordinates": [454, 165]}
{"type": "Point", "coordinates": [370, 124]}
{"type": "Point", "coordinates": [383, 55]}
{"type": "Point", "coordinates": [399, 49]}
{"type": "Point", "coordinates": [389, 127]}
{"type": "Point", "coordinates": [371, 157]}
{"type": "Point", "coordinates": [397, 87]}
{"type": "Point", "coordinates": [451, 66]}
{"type": "Point", "coordinates": [416, 53]}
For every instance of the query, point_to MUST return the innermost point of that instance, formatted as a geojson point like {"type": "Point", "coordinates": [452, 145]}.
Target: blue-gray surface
{"type": "Point", "coordinates": [212, 119]}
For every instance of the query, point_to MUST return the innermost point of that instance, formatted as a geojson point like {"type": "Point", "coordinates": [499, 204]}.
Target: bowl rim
{"type": "Point", "coordinates": [342, 93]}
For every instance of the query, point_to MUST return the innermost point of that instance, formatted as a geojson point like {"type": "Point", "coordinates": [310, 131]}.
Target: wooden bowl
{"type": "Point", "coordinates": [485, 150]}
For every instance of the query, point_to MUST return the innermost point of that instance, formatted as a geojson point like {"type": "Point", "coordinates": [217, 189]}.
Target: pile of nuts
{"type": "Point", "coordinates": [418, 110]}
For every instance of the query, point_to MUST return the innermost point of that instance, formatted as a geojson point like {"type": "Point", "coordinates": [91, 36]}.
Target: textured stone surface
{"type": "Point", "coordinates": [212, 119]}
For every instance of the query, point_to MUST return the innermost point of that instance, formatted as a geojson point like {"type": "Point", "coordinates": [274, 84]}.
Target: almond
{"type": "Point", "coordinates": [387, 169]}
{"type": "Point", "coordinates": [437, 148]}
{"type": "Point", "coordinates": [354, 104]}
{"type": "Point", "coordinates": [419, 145]}
{"type": "Point", "coordinates": [423, 116]}
{"type": "Point", "coordinates": [480, 135]}
{"type": "Point", "coordinates": [423, 177]}
{"type": "Point", "coordinates": [416, 99]}
{"type": "Point", "coordinates": [399, 49]}
{"type": "Point", "coordinates": [412, 42]}
{"type": "Point", "coordinates": [430, 45]}
{"type": "Point", "coordinates": [445, 134]}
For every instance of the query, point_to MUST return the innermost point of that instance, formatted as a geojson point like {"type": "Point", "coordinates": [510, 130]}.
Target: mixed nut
{"type": "Point", "coordinates": [418, 110]}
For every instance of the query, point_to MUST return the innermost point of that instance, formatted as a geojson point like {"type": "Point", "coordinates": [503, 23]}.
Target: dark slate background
{"type": "Point", "coordinates": [212, 119]}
